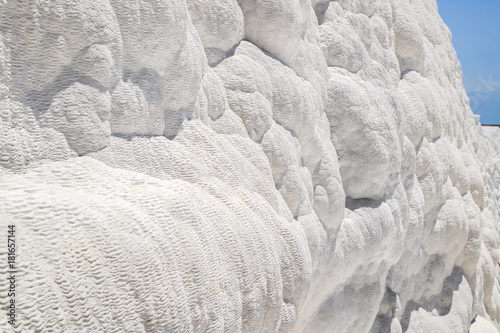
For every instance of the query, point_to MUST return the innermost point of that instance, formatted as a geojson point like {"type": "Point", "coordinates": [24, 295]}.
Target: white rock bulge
{"type": "Point", "coordinates": [244, 166]}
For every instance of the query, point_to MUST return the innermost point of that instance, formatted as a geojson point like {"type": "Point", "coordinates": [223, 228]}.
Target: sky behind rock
{"type": "Point", "coordinates": [475, 26]}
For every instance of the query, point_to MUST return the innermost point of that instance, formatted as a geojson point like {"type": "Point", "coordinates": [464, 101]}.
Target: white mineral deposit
{"type": "Point", "coordinates": [176, 166]}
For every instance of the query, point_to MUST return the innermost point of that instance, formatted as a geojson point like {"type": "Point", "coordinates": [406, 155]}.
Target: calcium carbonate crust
{"type": "Point", "coordinates": [244, 166]}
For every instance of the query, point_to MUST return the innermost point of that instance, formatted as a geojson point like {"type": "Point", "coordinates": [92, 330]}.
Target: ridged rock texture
{"type": "Point", "coordinates": [243, 166]}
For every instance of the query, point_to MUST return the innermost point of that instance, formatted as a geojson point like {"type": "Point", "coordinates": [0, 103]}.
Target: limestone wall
{"type": "Point", "coordinates": [244, 166]}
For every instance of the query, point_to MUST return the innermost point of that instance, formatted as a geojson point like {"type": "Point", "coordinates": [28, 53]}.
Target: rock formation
{"type": "Point", "coordinates": [244, 166]}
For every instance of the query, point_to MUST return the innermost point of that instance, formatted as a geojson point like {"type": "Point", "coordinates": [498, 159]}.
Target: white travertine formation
{"type": "Point", "coordinates": [244, 166]}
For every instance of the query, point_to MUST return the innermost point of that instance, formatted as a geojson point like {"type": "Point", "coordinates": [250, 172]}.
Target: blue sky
{"type": "Point", "coordinates": [475, 25]}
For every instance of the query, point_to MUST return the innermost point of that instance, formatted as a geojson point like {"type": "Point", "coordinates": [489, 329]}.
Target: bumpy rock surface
{"type": "Point", "coordinates": [244, 166]}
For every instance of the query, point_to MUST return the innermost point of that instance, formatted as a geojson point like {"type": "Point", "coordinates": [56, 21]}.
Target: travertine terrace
{"type": "Point", "coordinates": [244, 166]}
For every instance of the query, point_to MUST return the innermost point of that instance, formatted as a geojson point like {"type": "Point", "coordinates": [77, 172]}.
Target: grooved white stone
{"type": "Point", "coordinates": [244, 166]}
